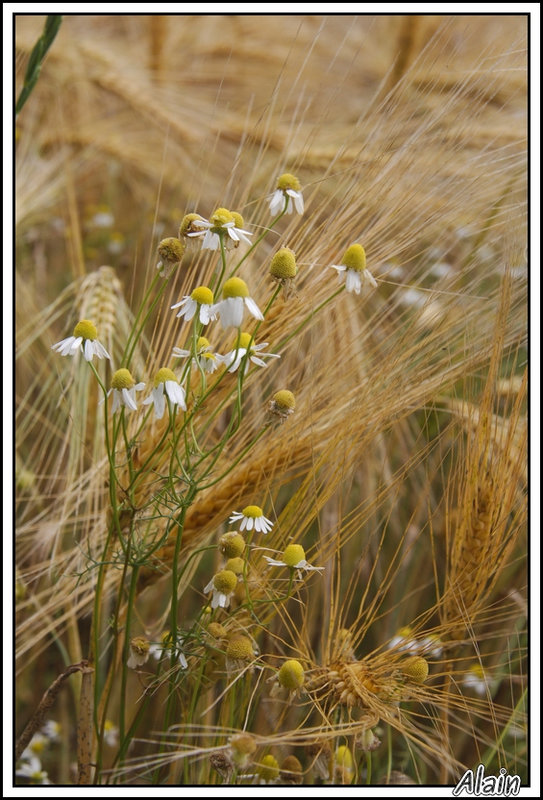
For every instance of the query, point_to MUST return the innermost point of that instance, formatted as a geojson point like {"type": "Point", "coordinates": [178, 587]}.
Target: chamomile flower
{"type": "Point", "coordinates": [283, 269]}
{"type": "Point", "coordinates": [139, 652]}
{"type": "Point", "coordinates": [191, 225]}
{"type": "Point", "coordinates": [252, 517]}
{"type": "Point", "coordinates": [223, 585]}
{"type": "Point", "coordinates": [477, 679]}
{"type": "Point", "coordinates": [282, 404]}
{"type": "Point", "coordinates": [294, 558]}
{"type": "Point", "coordinates": [124, 389]}
{"type": "Point", "coordinates": [288, 190]}
{"type": "Point", "coordinates": [111, 733]}
{"type": "Point", "coordinates": [165, 647]}
{"type": "Point", "coordinates": [170, 252]}
{"type": "Point", "coordinates": [166, 385]}
{"type": "Point", "coordinates": [406, 640]}
{"type": "Point", "coordinates": [221, 224]}
{"type": "Point", "coordinates": [290, 677]}
{"type": "Point", "coordinates": [201, 301]}
{"type": "Point", "coordinates": [353, 265]}
{"type": "Point", "coordinates": [205, 359]}
{"type": "Point", "coordinates": [30, 768]}
{"type": "Point", "coordinates": [235, 294]}
{"type": "Point", "coordinates": [84, 339]}
{"type": "Point", "coordinates": [245, 347]}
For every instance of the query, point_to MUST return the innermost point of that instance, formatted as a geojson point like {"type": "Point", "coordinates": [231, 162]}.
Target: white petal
{"type": "Point", "coordinates": [258, 361]}
{"type": "Point", "coordinates": [253, 308]}
{"type": "Point", "coordinates": [88, 350]}
{"type": "Point", "coordinates": [299, 203]}
{"type": "Point", "coordinates": [100, 350]}
{"type": "Point", "coordinates": [178, 353]}
{"type": "Point", "coordinates": [209, 586]}
{"type": "Point", "coordinates": [274, 562]}
{"type": "Point", "coordinates": [176, 394]}
{"type": "Point", "coordinates": [353, 281]}
{"type": "Point", "coordinates": [116, 400]}
{"type": "Point", "coordinates": [128, 400]}
{"type": "Point", "coordinates": [206, 314]}
{"type": "Point", "coordinates": [277, 202]}
{"type": "Point", "coordinates": [183, 661]}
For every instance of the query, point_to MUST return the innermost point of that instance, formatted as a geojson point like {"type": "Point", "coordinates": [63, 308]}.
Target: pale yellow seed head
{"type": "Point", "coordinates": [220, 217]}
{"type": "Point", "coordinates": [203, 295]}
{"type": "Point", "coordinates": [225, 581]}
{"type": "Point", "coordinates": [240, 648]}
{"type": "Point", "coordinates": [293, 554]}
{"type": "Point", "coordinates": [288, 181]}
{"type": "Point", "coordinates": [268, 768]}
{"type": "Point", "coordinates": [122, 379]}
{"type": "Point", "coordinates": [164, 374]}
{"type": "Point", "coordinates": [189, 224]}
{"type": "Point", "coordinates": [235, 565]}
{"type": "Point", "coordinates": [283, 264]}
{"type": "Point", "coordinates": [235, 287]}
{"type": "Point", "coordinates": [232, 544]}
{"type": "Point", "coordinates": [171, 250]}
{"type": "Point", "coordinates": [284, 399]}
{"type": "Point", "coordinates": [415, 668]}
{"type": "Point", "coordinates": [355, 258]}
{"type": "Point", "coordinates": [291, 675]}
{"type": "Point", "coordinates": [86, 329]}
{"type": "Point", "coordinates": [252, 511]}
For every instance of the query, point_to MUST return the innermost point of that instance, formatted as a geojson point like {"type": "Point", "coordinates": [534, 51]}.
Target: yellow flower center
{"type": "Point", "coordinates": [122, 379]}
{"type": "Point", "coordinates": [232, 544]}
{"type": "Point", "coordinates": [202, 343]}
{"type": "Point", "coordinates": [86, 329]}
{"type": "Point", "coordinates": [288, 181]}
{"type": "Point", "coordinates": [171, 250]}
{"type": "Point", "coordinates": [355, 258]}
{"type": "Point", "coordinates": [252, 511]}
{"type": "Point", "coordinates": [235, 565]}
{"type": "Point", "coordinates": [344, 757]}
{"type": "Point", "coordinates": [221, 217]}
{"type": "Point", "coordinates": [268, 769]}
{"type": "Point", "coordinates": [240, 648]}
{"type": "Point", "coordinates": [284, 399]}
{"type": "Point", "coordinates": [291, 675]}
{"type": "Point", "coordinates": [164, 374]}
{"type": "Point", "coordinates": [203, 295]}
{"type": "Point", "coordinates": [244, 341]}
{"type": "Point", "coordinates": [235, 287]}
{"type": "Point", "coordinates": [294, 553]}
{"type": "Point", "coordinates": [415, 668]}
{"type": "Point", "coordinates": [140, 645]}
{"type": "Point", "coordinates": [225, 581]}
{"type": "Point", "coordinates": [189, 224]}
{"type": "Point", "coordinates": [238, 219]}
{"type": "Point", "coordinates": [283, 264]}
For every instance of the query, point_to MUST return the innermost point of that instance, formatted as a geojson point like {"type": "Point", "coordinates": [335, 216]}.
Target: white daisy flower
{"type": "Point", "coordinates": [354, 267]}
{"type": "Point", "coordinates": [84, 339]}
{"type": "Point", "coordinates": [164, 648]}
{"type": "Point", "coordinates": [406, 641]}
{"type": "Point", "coordinates": [294, 558]}
{"type": "Point", "coordinates": [51, 730]}
{"type": "Point", "coordinates": [231, 309]}
{"type": "Point", "coordinates": [477, 679]}
{"type": "Point", "coordinates": [139, 652]}
{"type": "Point", "coordinates": [205, 359]}
{"type": "Point", "coordinates": [170, 251]}
{"type": "Point", "coordinates": [191, 225]}
{"type": "Point", "coordinates": [201, 301]}
{"type": "Point", "coordinates": [223, 585]}
{"type": "Point", "coordinates": [111, 733]}
{"type": "Point", "coordinates": [166, 384]}
{"type": "Point", "coordinates": [252, 517]}
{"type": "Point", "coordinates": [245, 346]}
{"type": "Point", "coordinates": [222, 223]}
{"type": "Point", "coordinates": [30, 768]}
{"type": "Point", "coordinates": [124, 389]}
{"type": "Point", "coordinates": [288, 190]}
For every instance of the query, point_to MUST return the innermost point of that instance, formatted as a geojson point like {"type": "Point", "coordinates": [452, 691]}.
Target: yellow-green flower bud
{"type": "Point", "coordinates": [293, 554]}
{"type": "Point", "coordinates": [268, 768]}
{"type": "Point", "coordinates": [217, 630]}
{"type": "Point", "coordinates": [355, 258]}
{"type": "Point", "coordinates": [164, 374]}
{"type": "Point", "coordinates": [122, 379]}
{"type": "Point", "coordinates": [415, 668]}
{"type": "Point", "coordinates": [240, 648]}
{"type": "Point", "coordinates": [288, 181]}
{"type": "Point", "coordinates": [283, 264]}
{"type": "Point", "coordinates": [86, 329]}
{"type": "Point", "coordinates": [225, 581]}
{"type": "Point", "coordinates": [171, 250]}
{"type": "Point", "coordinates": [202, 295]}
{"type": "Point", "coordinates": [235, 565]}
{"type": "Point", "coordinates": [343, 757]}
{"type": "Point", "coordinates": [235, 287]}
{"type": "Point", "coordinates": [291, 675]}
{"type": "Point", "coordinates": [232, 544]}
